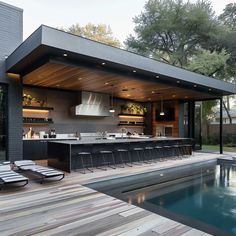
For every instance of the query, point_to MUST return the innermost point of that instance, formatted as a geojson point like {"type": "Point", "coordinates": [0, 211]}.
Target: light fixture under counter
{"type": "Point", "coordinates": [35, 108]}
{"type": "Point", "coordinates": [130, 116]}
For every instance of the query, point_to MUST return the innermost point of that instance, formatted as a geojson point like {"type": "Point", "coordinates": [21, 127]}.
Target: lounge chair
{"type": "Point", "coordinates": [8, 176]}
{"type": "Point", "coordinates": [43, 172]}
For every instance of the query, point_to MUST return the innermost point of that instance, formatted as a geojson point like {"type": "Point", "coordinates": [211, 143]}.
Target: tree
{"type": "Point", "coordinates": [172, 30]}
{"type": "Point", "coordinates": [227, 39]}
{"type": "Point", "coordinates": [101, 33]}
{"type": "Point", "coordinates": [228, 17]}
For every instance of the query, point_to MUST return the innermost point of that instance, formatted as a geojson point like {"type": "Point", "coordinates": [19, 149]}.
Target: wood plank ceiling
{"type": "Point", "coordinates": [61, 76]}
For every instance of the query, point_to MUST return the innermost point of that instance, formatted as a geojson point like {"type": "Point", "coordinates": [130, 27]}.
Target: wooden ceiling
{"type": "Point", "coordinates": [62, 76]}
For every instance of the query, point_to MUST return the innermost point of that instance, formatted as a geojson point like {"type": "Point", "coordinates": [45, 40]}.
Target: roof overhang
{"type": "Point", "coordinates": [47, 44]}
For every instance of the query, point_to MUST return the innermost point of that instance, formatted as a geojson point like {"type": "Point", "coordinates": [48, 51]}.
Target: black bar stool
{"type": "Point", "coordinates": [107, 159]}
{"type": "Point", "coordinates": [185, 149]}
{"type": "Point", "coordinates": [172, 150]}
{"type": "Point", "coordinates": [139, 151]}
{"type": "Point", "coordinates": [149, 153]}
{"type": "Point", "coordinates": [178, 151]}
{"type": "Point", "coordinates": [122, 153]}
{"type": "Point", "coordinates": [159, 152]}
{"type": "Point", "coordinates": [188, 149]}
{"type": "Point", "coordinates": [86, 161]}
{"type": "Point", "coordinates": [167, 151]}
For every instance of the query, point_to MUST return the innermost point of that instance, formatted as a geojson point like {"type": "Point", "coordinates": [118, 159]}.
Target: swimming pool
{"type": "Point", "coordinates": [202, 196]}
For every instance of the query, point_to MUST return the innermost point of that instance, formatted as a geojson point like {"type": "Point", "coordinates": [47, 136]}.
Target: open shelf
{"type": "Point", "coordinates": [37, 108]}
{"type": "Point", "coordinates": [130, 125]}
{"type": "Point", "coordinates": [130, 115]}
{"type": "Point", "coordinates": [37, 122]}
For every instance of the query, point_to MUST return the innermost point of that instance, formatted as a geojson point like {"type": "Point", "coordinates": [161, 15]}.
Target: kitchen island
{"type": "Point", "coordinates": [37, 148]}
{"type": "Point", "coordinates": [64, 154]}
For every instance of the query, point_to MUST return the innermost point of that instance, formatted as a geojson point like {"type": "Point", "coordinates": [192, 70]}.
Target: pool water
{"type": "Point", "coordinates": [211, 201]}
{"type": "Point", "coordinates": [203, 197]}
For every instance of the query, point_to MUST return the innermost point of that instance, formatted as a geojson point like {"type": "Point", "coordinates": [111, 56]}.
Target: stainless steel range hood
{"type": "Point", "coordinates": [92, 104]}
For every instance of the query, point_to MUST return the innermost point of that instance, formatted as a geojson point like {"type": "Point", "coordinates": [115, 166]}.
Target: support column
{"type": "Point", "coordinates": [15, 120]}
{"type": "Point", "coordinates": [221, 125]}
{"type": "Point", "coordinates": [191, 111]}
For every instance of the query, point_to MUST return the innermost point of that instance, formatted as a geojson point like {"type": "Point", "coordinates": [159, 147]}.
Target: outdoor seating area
{"type": "Point", "coordinates": [8, 176]}
{"type": "Point", "coordinates": [118, 158]}
{"type": "Point", "coordinates": [14, 173]}
{"type": "Point", "coordinates": [41, 171]}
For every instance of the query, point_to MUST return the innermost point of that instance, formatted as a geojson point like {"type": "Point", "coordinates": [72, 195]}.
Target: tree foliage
{"type": "Point", "coordinates": [101, 33]}
{"type": "Point", "coordinates": [179, 32]}
{"type": "Point", "coordinates": [227, 40]}
{"type": "Point", "coordinates": [228, 17]}
{"type": "Point", "coordinates": [173, 30]}
{"type": "Point", "coordinates": [208, 63]}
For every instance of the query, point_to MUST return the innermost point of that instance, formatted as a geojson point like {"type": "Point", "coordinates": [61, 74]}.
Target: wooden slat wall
{"type": "Point", "coordinates": [175, 123]}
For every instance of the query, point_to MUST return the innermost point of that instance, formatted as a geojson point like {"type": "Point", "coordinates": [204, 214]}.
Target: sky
{"type": "Point", "coordinates": [63, 13]}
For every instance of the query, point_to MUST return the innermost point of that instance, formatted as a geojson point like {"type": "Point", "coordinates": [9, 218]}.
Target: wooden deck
{"type": "Point", "coordinates": [68, 208]}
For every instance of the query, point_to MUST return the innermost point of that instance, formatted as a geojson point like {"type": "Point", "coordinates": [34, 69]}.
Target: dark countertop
{"type": "Point", "coordinates": [48, 139]}
{"type": "Point", "coordinates": [104, 141]}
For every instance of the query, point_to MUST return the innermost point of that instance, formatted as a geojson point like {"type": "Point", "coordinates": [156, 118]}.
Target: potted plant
{"type": "Point", "coordinates": [28, 100]}
{"type": "Point", "coordinates": [133, 108]}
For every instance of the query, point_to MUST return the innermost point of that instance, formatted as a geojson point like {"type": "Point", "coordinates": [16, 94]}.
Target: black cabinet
{"type": "Point", "coordinates": [35, 150]}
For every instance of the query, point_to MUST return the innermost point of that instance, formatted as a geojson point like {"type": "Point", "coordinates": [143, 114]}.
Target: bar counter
{"type": "Point", "coordinates": [64, 154]}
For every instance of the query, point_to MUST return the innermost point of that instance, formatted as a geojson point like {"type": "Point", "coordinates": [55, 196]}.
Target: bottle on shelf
{"type": "Point", "coordinates": [30, 133]}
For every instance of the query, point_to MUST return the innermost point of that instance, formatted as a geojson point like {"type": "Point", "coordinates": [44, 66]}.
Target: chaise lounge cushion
{"type": "Point", "coordinates": [45, 172]}
{"type": "Point", "coordinates": [9, 176]}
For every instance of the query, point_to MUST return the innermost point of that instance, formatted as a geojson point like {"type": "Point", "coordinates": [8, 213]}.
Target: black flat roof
{"type": "Point", "coordinates": [47, 42]}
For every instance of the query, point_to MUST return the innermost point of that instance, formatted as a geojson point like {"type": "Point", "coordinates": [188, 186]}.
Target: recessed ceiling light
{"type": "Point", "coordinates": [186, 97]}
{"type": "Point", "coordinates": [106, 83]}
{"type": "Point", "coordinates": [178, 82]}
{"type": "Point", "coordinates": [65, 55]}
{"type": "Point", "coordinates": [173, 96]}
{"type": "Point", "coordinates": [209, 89]}
{"type": "Point", "coordinates": [153, 92]}
{"type": "Point", "coordinates": [112, 110]}
{"type": "Point", "coordinates": [194, 85]}
{"type": "Point", "coordinates": [104, 63]}
{"type": "Point", "coordinates": [157, 76]}
{"type": "Point", "coordinates": [134, 71]}
{"type": "Point", "coordinates": [128, 95]}
{"type": "Point", "coordinates": [58, 85]}
{"type": "Point", "coordinates": [79, 78]}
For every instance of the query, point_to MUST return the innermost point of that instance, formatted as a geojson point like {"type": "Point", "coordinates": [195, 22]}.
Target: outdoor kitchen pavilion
{"type": "Point", "coordinates": [51, 58]}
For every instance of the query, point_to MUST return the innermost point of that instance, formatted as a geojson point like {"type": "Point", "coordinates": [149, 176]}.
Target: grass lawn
{"type": "Point", "coordinates": [217, 148]}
